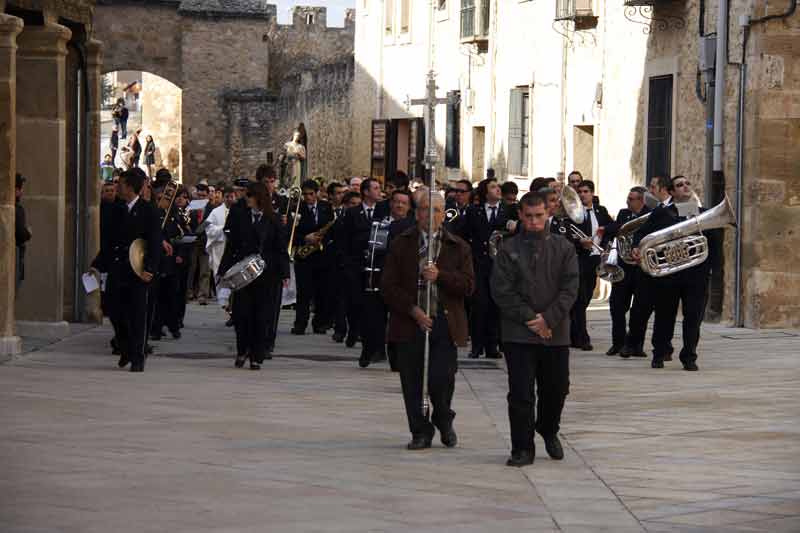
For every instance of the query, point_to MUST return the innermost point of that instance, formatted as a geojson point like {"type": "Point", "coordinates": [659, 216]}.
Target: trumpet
{"type": "Point", "coordinates": [608, 270]}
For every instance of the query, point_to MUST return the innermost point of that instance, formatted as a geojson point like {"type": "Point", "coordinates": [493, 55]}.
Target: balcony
{"type": "Point", "coordinates": [579, 12]}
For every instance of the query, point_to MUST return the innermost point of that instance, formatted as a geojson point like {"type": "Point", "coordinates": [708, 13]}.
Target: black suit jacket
{"type": "Point", "coordinates": [112, 217]}
{"type": "Point", "coordinates": [353, 233]}
{"type": "Point", "coordinates": [307, 224]}
{"type": "Point", "coordinates": [141, 222]}
{"type": "Point", "coordinates": [267, 238]}
{"type": "Point", "coordinates": [473, 226]}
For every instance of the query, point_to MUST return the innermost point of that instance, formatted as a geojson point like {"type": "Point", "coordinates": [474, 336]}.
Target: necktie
{"type": "Point", "coordinates": [256, 218]}
{"type": "Point", "coordinates": [493, 216]}
{"type": "Point", "coordinates": [369, 213]}
{"type": "Point", "coordinates": [314, 213]}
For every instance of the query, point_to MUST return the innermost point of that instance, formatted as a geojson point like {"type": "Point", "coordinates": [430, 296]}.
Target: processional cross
{"type": "Point", "coordinates": [430, 102]}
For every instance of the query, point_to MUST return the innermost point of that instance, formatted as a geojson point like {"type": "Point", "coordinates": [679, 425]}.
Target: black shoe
{"type": "Point", "coordinates": [473, 355]}
{"type": "Point", "coordinates": [657, 363]}
{"type": "Point", "coordinates": [494, 355]}
{"type": "Point", "coordinates": [691, 366]}
{"type": "Point", "coordinates": [137, 367]}
{"type": "Point", "coordinates": [298, 331]}
{"type": "Point", "coordinates": [229, 323]}
{"type": "Point", "coordinates": [449, 438]}
{"type": "Point", "coordinates": [364, 360]}
{"type": "Point", "coordinates": [419, 443]}
{"type": "Point", "coordinates": [639, 352]}
{"type": "Point", "coordinates": [587, 347]}
{"type": "Point", "coordinates": [350, 342]}
{"type": "Point", "coordinates": [240, 359]}
{"type": "Point", "coordinates": [520, 458]}
{"type": "Point", "coordinates": [320, 331]}
{"type": "Point", "coordinates": [176, 333]}
{"type": "Point", "coordinates": [123, 361]}
{"type": "Point", "coordinates": [626, 352]}
{"type": "Point", "coordinates": [338, 338]}
{"type": "Point", "coordinates": [553, 447]}
{"type": "Point", "coordinates": [255, 366]}
{"type": "Point", "coordinates": [614, 350]}
{"type": "Point", "coordinates": [148, 350]}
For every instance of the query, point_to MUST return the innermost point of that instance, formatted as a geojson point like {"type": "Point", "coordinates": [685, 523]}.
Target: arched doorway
{"type": "Point", "coordinates": [154, 106]}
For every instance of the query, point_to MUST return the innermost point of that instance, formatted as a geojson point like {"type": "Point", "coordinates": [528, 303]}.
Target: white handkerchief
{"type": "Point", "coordinates": [90, 283]}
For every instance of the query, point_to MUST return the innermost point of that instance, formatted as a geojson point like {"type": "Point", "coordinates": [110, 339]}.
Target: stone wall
{"type": "Point", "coordinates": [262, 121]}
{"type": "Point", "coordinates": [161, 118]}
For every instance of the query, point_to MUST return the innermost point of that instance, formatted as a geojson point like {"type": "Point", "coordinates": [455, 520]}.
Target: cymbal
{"type": "Point", "coordinates": [136, 256]}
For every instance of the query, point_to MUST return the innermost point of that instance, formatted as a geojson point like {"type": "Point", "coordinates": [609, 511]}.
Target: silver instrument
{"type": "Point", "coordinates": [243, 273]}
{"type": "Point", "coordinates": [683, 245]}
{"type": "Point", "coordinates": [625, 238]}
{"type": "Point", "coordinates": [572, 205]}
{"type": "Point", "coordinates": [495, 240]}
{"type": "Point", "coordinates": [377, 244]}
{"type": "Point", "coordinates": [609, 268]}
{"type": "Point", "coordinates": [610, 272]}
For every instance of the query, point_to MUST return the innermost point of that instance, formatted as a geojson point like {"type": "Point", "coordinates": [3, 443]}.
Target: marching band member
{"type": "Point", "coordinates": [535, 282]}
{"type": "Point", "coordinates": [596, 219]}
{"type": "Point", "coordinates": [354, 236]}
{"type": "Point", "coordinates": [128, 291]}
{"type": "Point", "coordinates": [374, 316]}
{"type": "Point", "coordinates": [255, 230]}
{"type": "Point", "coordinates": [336, 193]}
{"type": "Point", "coordinates": [312, 273]}
{"type": "Point", "coordinates": [215, 229]}
{"type": "Point", "coordinates": [475, 227]}
{"type": "Point", "coordinates": [622, 292]}
{"type": "Point", "coordinates": [403, 286]}
{"type": "Point", "coordinates": [688, 287]}
{"type": "Point", "coordinates": [644, 294]}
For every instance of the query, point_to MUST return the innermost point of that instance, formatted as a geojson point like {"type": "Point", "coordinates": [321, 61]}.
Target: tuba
{"type": "Point", "coordinates": [683, 245]}
{"type": "Point", "coordinates": [572, 205]}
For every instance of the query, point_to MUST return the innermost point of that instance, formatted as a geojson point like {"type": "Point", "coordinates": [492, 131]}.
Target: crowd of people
{"type": "Point", "coordinates": [129, 154]}
{"type": "Point", "coordinates": [508, 277]}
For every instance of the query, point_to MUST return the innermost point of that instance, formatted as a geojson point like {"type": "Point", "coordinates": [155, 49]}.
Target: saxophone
{"type": "Point", "coordinates": [308, 248]}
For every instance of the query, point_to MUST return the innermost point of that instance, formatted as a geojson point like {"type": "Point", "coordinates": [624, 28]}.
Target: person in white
{"type": "Point", "coordinates": [215, 236]}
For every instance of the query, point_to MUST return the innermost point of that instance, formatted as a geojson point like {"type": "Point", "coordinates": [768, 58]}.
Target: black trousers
{"type": "Point", "coordinates": [373, 336]}
{"type": "Point", "coordinates": [312, 277]}
{"type": "Point", "coordinates": [690, 289]}
{"type": "Point", "coordinates": [587, 271]}
{"type": "Point", "coordinates": [548, 368]}
{"type": "Point", "coordinates": [442, 368]}
{"type": "Point", "coordinates": [643, 306]}
{"type": "Point", "coordinates": [272, 329]}
{"type": "Point", "coordinates": [252, 312]}
{"type": "Point", "coordinates": [619, 303]}
{"type": "Point", "coordinates": [484, 318]}
{"type": "Point", "coordinates": [354, 301]}
{"type": "Point", "coordinates": [167, 304]}
{"type": "Point", "coordinates": [131, 305]}
{"type": "Point", "coordinates": [339, 290]}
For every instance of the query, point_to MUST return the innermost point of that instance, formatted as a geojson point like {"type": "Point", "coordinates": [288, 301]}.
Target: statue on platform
{"type": "Point", "coordinates": [295, 155]}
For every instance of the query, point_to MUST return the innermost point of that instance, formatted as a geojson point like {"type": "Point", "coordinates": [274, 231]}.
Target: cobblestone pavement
{"type": "Point", "coordinates": [313, 443]}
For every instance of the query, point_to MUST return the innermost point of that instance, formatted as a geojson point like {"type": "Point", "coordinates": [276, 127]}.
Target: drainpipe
{"type": "Point", "coordinates": [719, 101]}
{"type": "Point", "coordinates": [738, 321]}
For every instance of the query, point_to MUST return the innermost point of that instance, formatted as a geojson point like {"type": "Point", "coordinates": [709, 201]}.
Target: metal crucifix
{"type": "Point", "coordinates": [431, 157]}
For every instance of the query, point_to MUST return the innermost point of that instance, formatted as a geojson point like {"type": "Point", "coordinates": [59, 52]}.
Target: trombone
{"type": "Point", "coordinates": [296, 194]}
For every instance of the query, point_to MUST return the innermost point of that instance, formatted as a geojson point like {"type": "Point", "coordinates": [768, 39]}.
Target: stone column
{"type": "Point", "coordinates": [41, 157]}
{"type": "Point", "coordinates": [94, 62]}
{"type": "Point", "coordinates": [9, 29]}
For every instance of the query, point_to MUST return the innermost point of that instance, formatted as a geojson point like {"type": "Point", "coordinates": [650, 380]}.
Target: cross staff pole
{"type": "Point", "coordinates": [431, 157]}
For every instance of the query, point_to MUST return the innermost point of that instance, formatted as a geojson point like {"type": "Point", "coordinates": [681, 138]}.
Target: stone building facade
{"type": "Point", "coordinates": [49, 125]}
{"type": "Point", "coordinates": [610, 89]}
{"type": "Point", "coordinates": [231, 60]}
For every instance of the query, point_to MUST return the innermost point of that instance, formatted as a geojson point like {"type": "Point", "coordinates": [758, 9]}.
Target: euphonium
{"type": "Point", "coordinates": [625, 238]}
{"type": "Point", "coordinates": [683, 245]}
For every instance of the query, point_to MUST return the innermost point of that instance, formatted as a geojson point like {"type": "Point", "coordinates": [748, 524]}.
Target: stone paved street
{"type": "Point", "coordinates": [313, 443]}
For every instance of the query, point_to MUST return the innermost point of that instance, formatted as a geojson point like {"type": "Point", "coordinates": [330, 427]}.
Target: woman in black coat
{"type": "Point", "coordinates": [255, 230]}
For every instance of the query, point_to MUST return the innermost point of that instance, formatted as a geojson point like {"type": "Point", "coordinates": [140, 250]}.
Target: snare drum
{"type": "Point", "coordinates": [243, 273]}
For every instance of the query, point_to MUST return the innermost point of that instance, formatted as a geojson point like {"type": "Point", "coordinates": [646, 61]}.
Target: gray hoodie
{"type": "Point", "coordinates": [535, 273]}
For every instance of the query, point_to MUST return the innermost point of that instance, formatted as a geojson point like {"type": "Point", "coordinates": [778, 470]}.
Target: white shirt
{"type": "Point", "coordinates": [594, 235]}
{"type": "Point", "coordinates": [371, 213]}
{"type": "Point", "coordinates": [666, 202]}
{"type": "Point", "coordinates": [132, 203]}
{"type": "Point", "coordinates": [489, 208]}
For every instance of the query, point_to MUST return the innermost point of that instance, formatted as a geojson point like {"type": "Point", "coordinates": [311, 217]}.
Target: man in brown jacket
{"type": "Point", "coordinates": [535, 283]}
{"type": "Point", "coordinates": [403, 285]}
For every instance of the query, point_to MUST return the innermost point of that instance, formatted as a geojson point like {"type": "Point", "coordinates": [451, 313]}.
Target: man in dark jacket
{"type": "Point", "coordinates": [405, 276]}
{"type": "Point", "coordinates": [22, 234]}
{"type": "Point", "coordinates": [535, 283]}
{"type": "Point", "coordinates": [622, 291]}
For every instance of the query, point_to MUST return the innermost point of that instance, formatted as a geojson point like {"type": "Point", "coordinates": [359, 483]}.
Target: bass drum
{"type": "Point", "coordinates": [243, 273]}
